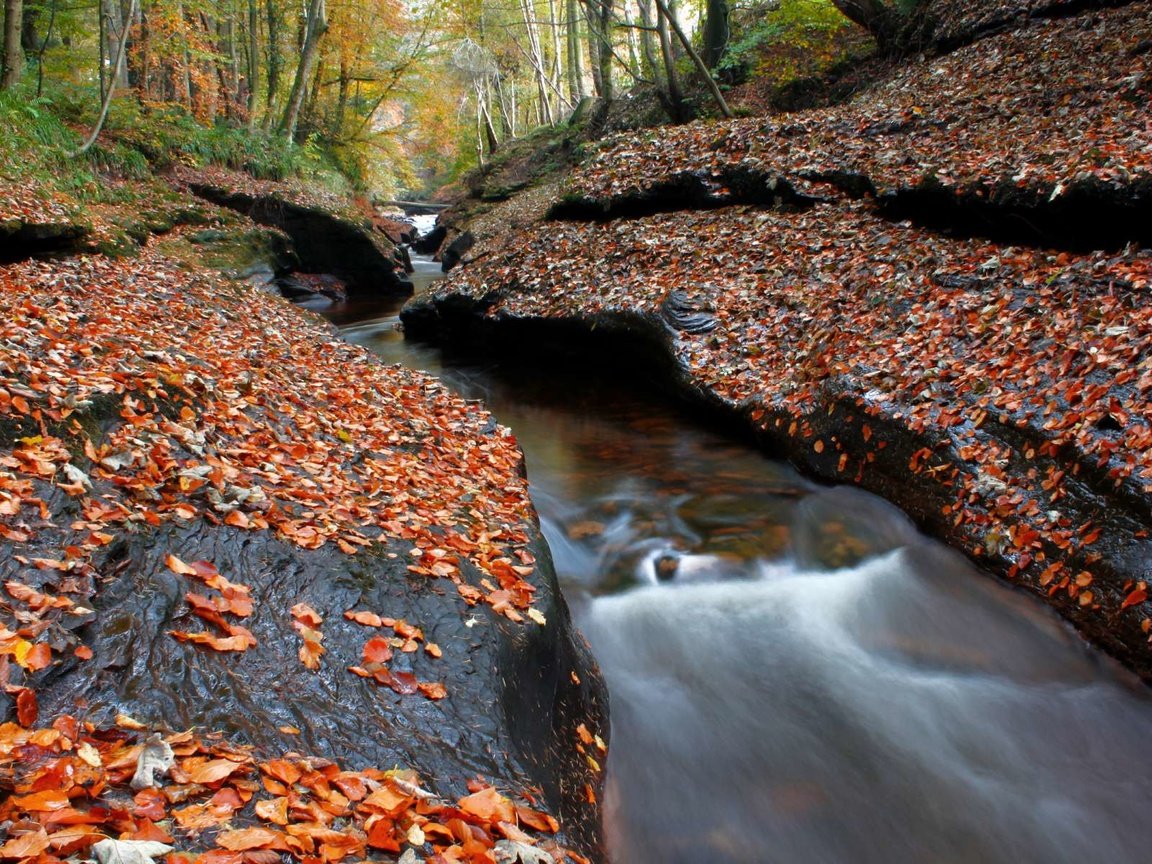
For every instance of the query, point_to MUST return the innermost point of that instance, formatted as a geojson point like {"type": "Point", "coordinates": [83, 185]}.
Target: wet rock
{"type": "Point", "coordinates": [302, 285]}
{"type": "Point", "coordinates": [325, 242]}
{"type": "Point", "coordinates": [429, 243]}
{"type": "Point", "coordinates": [528, 673]}
{"type": "Point", "coordinates": [456, 251]}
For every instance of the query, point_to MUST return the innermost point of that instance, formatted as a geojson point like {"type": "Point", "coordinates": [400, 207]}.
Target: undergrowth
{"type": "Point", "coordinates": [39, 133]}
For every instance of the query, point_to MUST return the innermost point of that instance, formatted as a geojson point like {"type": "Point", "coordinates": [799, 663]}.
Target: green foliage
{"type": "Point", "coordinates": [787, 41]}
{"type": "Point", "coordinates": [35, 141]}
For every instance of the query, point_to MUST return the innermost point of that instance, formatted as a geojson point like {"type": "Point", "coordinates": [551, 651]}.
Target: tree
{"type": "Point", "coordinates": [716, 31]}
{"type": "Point", "coordinates": [315, 25]}
{"type": "Point", "coordinates": [13, 61]}
{"type": "Point", "coordinates": [701, 67]}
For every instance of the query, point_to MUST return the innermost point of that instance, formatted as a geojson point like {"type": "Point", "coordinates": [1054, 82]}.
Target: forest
{"type": "Point", "coordinates": [544, 431]}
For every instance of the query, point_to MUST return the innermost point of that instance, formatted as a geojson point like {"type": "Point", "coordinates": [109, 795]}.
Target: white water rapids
{"type": "Point", "coordinates": [902, 710]}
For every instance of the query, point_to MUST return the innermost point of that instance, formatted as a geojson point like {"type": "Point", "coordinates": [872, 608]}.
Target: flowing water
{"type": "Point", "coordinates": [796, 674]}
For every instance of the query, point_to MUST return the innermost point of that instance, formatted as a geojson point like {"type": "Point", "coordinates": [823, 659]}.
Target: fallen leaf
{"type": "Point", "coordinates": [155, 759]}
{"type": "Point", "coordinates": [109, 851]}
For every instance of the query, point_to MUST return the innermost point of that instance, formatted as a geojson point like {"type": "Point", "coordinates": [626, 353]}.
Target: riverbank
{"type": "Point", "coordinates": [221, 516]}
{"type": "Point", "coordinates": [995, 388]}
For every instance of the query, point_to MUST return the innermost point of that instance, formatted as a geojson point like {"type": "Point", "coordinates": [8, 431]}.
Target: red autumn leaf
{"type": "Point", "coordinates": [27, 709]}
{"type": "Point", "coordinates": [1135, 597]}
{"type": "Point", "coordinates": [377, 650]}
{"type": "Point", "coordinates": [404, 683]}
{"type": "Point", "coordinates": [150, 804]}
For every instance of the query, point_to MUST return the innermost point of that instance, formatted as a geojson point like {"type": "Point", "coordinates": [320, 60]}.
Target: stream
{"type": "Point", "coordinates": [796, 674]}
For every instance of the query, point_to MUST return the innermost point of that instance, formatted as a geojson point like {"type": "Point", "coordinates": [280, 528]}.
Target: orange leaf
{"type": "Point", "coordinates": [432, 689]}
{"type": "Point", "coordinates": [49, 799]}
{"type": "Point", "coordinates": [251, 838]}
{"type": "Point", "coordinates": [178, 566]}
{"type": "Point", "coordinates": [377, 650]}
{"type": "Point", "coordinates": [274, 810]}
{"type": "Point", "coordinates": [37, 658]}
{"type": "Point", "coordinates": [305, 614]}
{"type": "Point", "coordinates": [488, 805]}
{"type": "Point", "coordinates": [25, 845]}
{"type": "Point", "coordinates": [536, 819]}
{"type": "Point", "coordinates": [212, 771]}
{"type": "Point", "coordinates": [382, 835]}
{"type": "Point", "coordinates": [282, 770]}
{"type": "Point", "coordinates": [1139, 595]}
{"type": "Point", "coordinates": [386, 800]}
{"type": "Point", "coordinates": [368, 619]}
{"type": "Point", "coordinates": [27, 709]}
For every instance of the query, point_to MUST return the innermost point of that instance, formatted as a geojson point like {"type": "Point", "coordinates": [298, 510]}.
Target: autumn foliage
{"type": "Point", "coordinates": [70, 785]}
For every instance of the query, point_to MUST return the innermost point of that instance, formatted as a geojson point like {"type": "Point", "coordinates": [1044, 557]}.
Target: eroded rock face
{"type": "Point", "coordinates": [512, 706]}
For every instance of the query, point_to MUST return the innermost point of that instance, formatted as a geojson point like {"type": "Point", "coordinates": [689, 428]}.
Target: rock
{"type": "Point", "coordinates": [20, 238]}
{"type": "Point", "coordinates": [429, 243]}
{"type": "Point", "coordinates": [300, 285]}
{"type": "Point", "coordinates": [513, 703]}
{"type": "Point", "coordinates": [331, 468]}
{"type": "Point", "coordinates": [456, 251]}
{"type": "Point", "coordinates": [325, 242]}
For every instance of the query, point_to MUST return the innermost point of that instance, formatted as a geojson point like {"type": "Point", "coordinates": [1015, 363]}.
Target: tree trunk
{"type": "Point", "coordinates": [274, 62]}
{"type": "Point", "coordinates": [716, 31]}
{"type": "Point", "coordinates": [252, 58]}
{"type": "Point", "coordinates": [13, 63]}
{"type": "Point", "coordinates": [671, 76]}
{"type": "Point", "coordinates": [28, 38]}
{"type": "Point", "coordinates": [605, 58]}
{"type": "Point", "coordinates": [535, 56]}
{"type": "Point", "coordinates": [42, 47]}
{"type": "Point", "coordinates": [315, 26]}
{"type": "Point", "coordinates": [648, 40]}
{"type": "Point", "coordinates": [703, 69]}
{"type": "Point", "coordinates": [575, 60]}
{"type": "Point", "coordinates": [594, 48]}
{"type": "Point", "coordinates": [555, 65]}
{"type": "Point", "coordinates": [117, 68]}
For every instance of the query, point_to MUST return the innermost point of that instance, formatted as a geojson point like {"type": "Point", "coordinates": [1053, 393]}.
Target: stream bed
{"type": "Point", "coordinates": [796, 674]}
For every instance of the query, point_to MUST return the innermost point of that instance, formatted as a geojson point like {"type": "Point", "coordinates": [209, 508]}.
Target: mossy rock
{"type": "Point", "coordinates": [239, 253]}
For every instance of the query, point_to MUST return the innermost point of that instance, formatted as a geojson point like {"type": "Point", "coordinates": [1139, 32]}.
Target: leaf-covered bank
{"type": "Point", "coordinates": [219, 515]}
